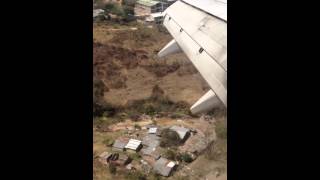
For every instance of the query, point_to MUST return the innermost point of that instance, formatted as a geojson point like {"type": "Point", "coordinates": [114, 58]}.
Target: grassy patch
{"type": "Point", "coordinates": [135, 156]}
{"type": "Point", "coordinates": [157, 103]}
{"type": "Point", "coordinates": [217, 150]}
{"type": "Point", "coordinates": [135, 175]}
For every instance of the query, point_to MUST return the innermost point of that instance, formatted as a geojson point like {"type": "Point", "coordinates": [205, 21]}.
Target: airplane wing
{"type": "Point", "coordinates": [199, 29]}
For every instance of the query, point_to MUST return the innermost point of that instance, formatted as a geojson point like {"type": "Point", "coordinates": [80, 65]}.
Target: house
{"type": "Point", "coordinates": [119, 159]}
{"type": "Point", "coordinates": [97, 13]}
{"type": "Point", "coordinates": [166, 3]}
{"type": "Point", "coordinates": [152, 130]}
{"type": "Point", "coordinates": [183, 132]}
{"type": "Point", "coordinates": [120, 144]}
{"type": "Point", "coordinates": [144, 8]}
{"type": "Point", "coordinates": [150, 143]}
{"type": "Point", "coordinates": [164, 167]}
{"type": "Point", "coordinates": [156, 18]}
{"type": "Point", "coordinates": [134, 145]}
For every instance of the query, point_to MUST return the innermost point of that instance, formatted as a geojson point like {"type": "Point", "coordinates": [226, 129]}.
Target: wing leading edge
{"type": "Point", "coordinates": [203, 38]}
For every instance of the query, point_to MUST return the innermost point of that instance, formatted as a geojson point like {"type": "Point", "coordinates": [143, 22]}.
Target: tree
{"type": "Point", "coordinates": [169, 138]}
{"type": "Point", "coordinates": [186, 157]}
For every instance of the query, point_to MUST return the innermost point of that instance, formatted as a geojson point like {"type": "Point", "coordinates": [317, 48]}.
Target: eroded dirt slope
{"type": "Point", "coordinates": [126, 61]}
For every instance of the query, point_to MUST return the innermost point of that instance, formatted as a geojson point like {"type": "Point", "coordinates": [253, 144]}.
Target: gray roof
{"type": "Point", "coordinates": [182, 132]}
{"type": "Point", "coordinates": [120, 143]}
{"type": "Point", "coordinates": [162, 168]}
{"type": "Point", "coordinates": [97, 12]}
{"type": "Point", "coordinates": [150, 142]}
{"type": "Point", "coordinates": [133, 144]}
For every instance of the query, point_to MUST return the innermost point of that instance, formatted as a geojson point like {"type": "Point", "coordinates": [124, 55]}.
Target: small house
{"type": "Point", "coordinates": [120, 144]}
{"type": "Point", "coordinates": [152, 130]}
{"type": "Point", "coordinates": [156, 18]}
{"type": "Point", "coordinates": [150, 143]}
{"type": "Point", "coordinates": [133, 145]}
{"type": "Point", "coordinates": [164, 167]}
{"type": "Point", "coordinates": [97, 13]}
{"type": "Point", "coordinates": [119, 159]}
{"type": "Point", "coordinates": [144, 8]}
{"type": "Point", "coordinates": [183, 132]}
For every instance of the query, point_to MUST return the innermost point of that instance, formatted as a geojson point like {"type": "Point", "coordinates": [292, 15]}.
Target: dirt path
{"type": "Point", "coordinates": [123, 29]}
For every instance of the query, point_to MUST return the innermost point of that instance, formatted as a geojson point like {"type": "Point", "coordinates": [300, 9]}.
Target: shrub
{"type": "Point", "coordinates": [170, 154]}
{"type": "Point", "coordinates": [135, 175]}
{"type": "Point", "coordinates": [133, 115]}
{"type": "Point", "coordinates": [186, 157]}
{"type": "Point", "coordinates": [112, 168]}
{"type": "Point", "coordinates": [135, 156]}
{"type": "Point", "coordinates": [114, 9]}
{"type": "Point", "coordinates": [221, 129]}
{"type": "Point", "coordinates": [136, 126]}
{"type": "Point", "coordinates": [108, 142]}
{"type": "Point", "coordinates": [169, 138]}
{"type": "Point", "coordinates": [102, 108]}
{"type": "Point", "coordinates": [154, 176]}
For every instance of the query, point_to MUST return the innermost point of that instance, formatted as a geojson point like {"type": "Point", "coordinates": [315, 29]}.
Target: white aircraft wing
{"type": "Point", "coordinates": [199, 29]}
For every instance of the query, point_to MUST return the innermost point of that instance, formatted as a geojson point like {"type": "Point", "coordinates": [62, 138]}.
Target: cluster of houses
{"type": "Point", "coordinates": [145, 11]}
{"type": "Point", "coordinates": [147, 147]}
{"type": "Point", "coordinates": [151, 10]}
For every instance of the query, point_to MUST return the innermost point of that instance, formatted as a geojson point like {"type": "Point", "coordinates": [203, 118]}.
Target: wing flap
{"type": "Point", "coordinates": [171, 48]}
{"type": "Point", "coordinates": [205, 103]}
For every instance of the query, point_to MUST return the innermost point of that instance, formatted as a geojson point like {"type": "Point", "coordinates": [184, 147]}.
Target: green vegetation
{"type": "Point", "coordinates": [114, 9]}
{"type": "Point", "coordinates": [169, 138]}
{"type": "Point", "coordinates": [135, 156]}
{"type": "Point", "coordinates": [112, 169]}
{"type": "Point", "coordinates": [123, 11]}
{"type": "Point", "coordinates": [186, 157]}
{"type": "Point", "coordinates": [170, 154]}
{"type": "Point", "coordinates": [136, 126]}
{"type": "Point", "coordinates": [159, 68]}
{"type": "Point", "coordinates": [217, 150]}
{"type": "Point", "coordinates": [108, 141]}
{"type": "Point", "coordinates": [135, 175]}
{"type": "Point", "coordinates": [154, 176]}
{"type": "Point", "coordinates": [157, 103]}
{"type": "Point", "coordinates": [221, 129]}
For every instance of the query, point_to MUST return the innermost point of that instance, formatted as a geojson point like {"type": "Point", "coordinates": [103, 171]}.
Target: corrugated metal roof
{"type": "Point", "coordinates": [171, 164]}
{"type": "Point", "coordinates": [216, 8]}
{"type": "Point", "coordinates": [152, 130]}
{"type": "Point", "coordinates": [182, 132]}
{"type": "Point", "coordinates": [133, 144]}
{"type": "Point", "coordinates": [157, 14]}
{"type": "Point", "coordinates": [147, 2]}
{"type": "Point", "coordinates": [97, 12]}
{"type": "Point", "coordinates": [161, 167]}
{"type": "Point", "coordinates": [119, 144]}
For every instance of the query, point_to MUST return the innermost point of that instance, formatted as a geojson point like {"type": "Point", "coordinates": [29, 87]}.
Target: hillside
{"type": "Point", "coordinates": [134, 89]}
{"type": "Point", "coordinates": [126, 61]}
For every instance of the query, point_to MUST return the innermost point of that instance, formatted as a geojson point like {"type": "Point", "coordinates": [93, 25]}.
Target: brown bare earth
{"type": "Point", "coordinates": [127, 63]}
